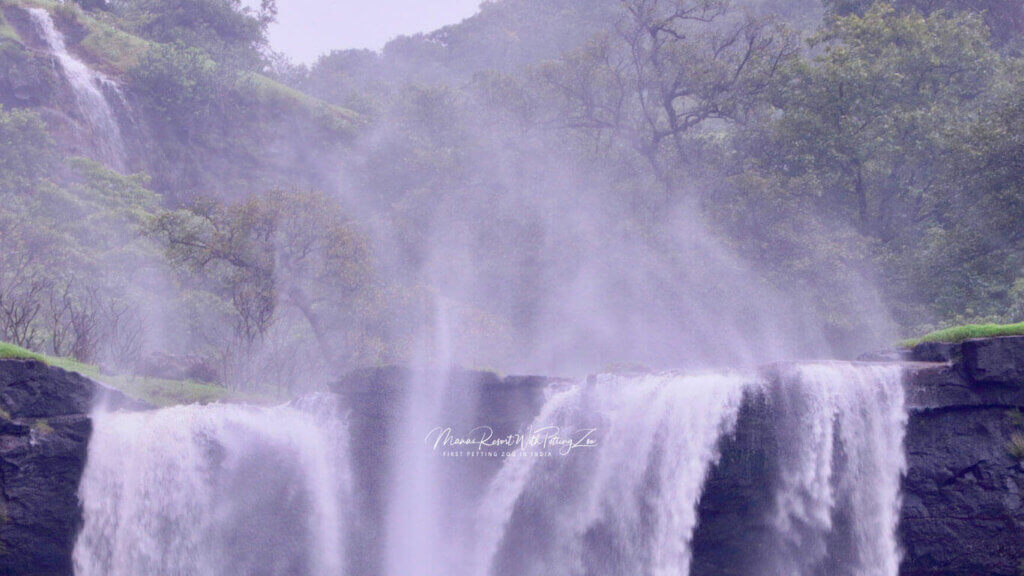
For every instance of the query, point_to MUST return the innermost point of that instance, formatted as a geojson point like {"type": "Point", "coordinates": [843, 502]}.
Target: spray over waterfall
{"type": "Point", "coordinates": [211, 490]}
{"type": "Point", "coordinates": [88, 86]}
{"type": "Point", "coordinates": [231, 490]}
{"type": "Point", "coordinates": [631, 507]}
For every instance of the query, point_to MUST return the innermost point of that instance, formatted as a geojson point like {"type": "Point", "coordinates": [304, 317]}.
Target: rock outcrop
{"type": "Point", "coordinates": [44, 432]}
{"type": "Point", "coordinates": [963, 502]}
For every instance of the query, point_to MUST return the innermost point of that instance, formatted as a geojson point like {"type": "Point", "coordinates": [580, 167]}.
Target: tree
{"type": "Point", "coordinates": [670, 67]}
{"type": "Point", "coordinates": [870, 135]}
{"type": "Point", "coordinates": [181, 86]}
{"type": "Point", "coordinates": [229, 31]}
{"type": "Point", "coordinates": [873, 117]}
{"type": "Point", "coordinates": [276, 250]}
{"type": "Point", "coordinates": [1005, 18]}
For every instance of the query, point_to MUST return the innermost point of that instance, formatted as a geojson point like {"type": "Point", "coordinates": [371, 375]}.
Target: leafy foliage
{"type": "Point", "coordinates": [226, 30]}
{"type": "Point", "coordinates": [542, 144]}
{"type": "Point", "coordinates": [275, 250]}
{"type": "Point", "coordinates": [1016, 446]}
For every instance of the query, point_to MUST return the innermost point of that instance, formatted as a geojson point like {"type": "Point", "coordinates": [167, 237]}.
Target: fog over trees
{"type": "Point", "coordinates": [557, 185]}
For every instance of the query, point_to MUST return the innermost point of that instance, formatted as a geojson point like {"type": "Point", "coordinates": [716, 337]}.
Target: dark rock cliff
{"type": "Point", "coordinates": [44, 431]}
{"type": "Point", "coordinates": [963, 503]}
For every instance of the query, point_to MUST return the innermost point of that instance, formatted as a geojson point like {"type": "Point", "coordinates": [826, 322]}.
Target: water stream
{"type": "Point", "coordinates": [88, 86]}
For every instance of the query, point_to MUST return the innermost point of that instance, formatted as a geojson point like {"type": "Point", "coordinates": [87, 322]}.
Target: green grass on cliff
{"type": "Point", "coordinates": [12, 351]}
{"type": "Point", "coordinates": [156, 391]}
{"type": "Point", "coordinates": [966, 332]}
{"type": "Point", "coordinates": [7, 32]}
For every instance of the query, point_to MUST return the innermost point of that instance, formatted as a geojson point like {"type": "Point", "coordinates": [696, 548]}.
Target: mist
{"type": "Point", "coordinates": [554, 187]}
{"type": "Point", "coordinates": [511, 288]}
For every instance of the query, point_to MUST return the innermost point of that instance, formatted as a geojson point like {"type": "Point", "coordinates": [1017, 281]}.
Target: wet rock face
{"type": "Point", "coordinates": [963, 497]}
{"type": "Point", "coordinates": [963, 512]}
{"type": "Point", "coordinates": [44, 433]}
{"type": "Point", "coordinates": [31, 389]}
{"type": "Point", "coordinates": [40, 466]}
{"type": "Point", "coordinates": [44, 430]}
{"type": "Point", "coordinates": [26, 77]}
{"type": "Point", "coordinates": [980, 361]}
{"type": "Point", "coordinates": [995, 361]}
{"type": "Point", "coordinates": [735, 531]}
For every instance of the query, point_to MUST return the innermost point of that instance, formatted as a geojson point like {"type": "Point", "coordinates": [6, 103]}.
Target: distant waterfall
{"type": "Point", "coordinates": [87, 85]}
{"type": "Point", "coordinates": [211, 490]}
{"type": "Point", "coordinates": [841, 429]}
{"type": "Point", "coordinates": [630, 505]}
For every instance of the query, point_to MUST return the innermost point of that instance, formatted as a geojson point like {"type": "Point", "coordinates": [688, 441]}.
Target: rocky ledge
{"type": "Point", "coordinates": [44, 432]}
{"type": "Point", "coordinates": [963, 503]}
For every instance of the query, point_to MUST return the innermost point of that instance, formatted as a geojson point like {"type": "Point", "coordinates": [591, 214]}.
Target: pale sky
{"type": "Point", "coordinates": [307, 28]}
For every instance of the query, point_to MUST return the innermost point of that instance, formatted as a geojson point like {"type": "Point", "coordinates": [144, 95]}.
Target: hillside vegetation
{"type": "Point", "coordinates": [549, 185]}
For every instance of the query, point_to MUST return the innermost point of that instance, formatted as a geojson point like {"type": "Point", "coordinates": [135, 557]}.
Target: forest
{"type": "Point", "coordinates": [560, 185]}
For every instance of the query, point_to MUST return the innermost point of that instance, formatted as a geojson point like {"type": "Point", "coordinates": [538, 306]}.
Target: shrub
{"type": "Point", "coordinates": [1016, 446]}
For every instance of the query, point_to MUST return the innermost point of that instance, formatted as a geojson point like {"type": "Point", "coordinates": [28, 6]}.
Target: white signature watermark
{"type": "Point", "coordinates": [483, 441]}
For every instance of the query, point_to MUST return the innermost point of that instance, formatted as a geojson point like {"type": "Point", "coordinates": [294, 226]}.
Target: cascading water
{"type": "Point", "coordinates": [415, 515]}
{"type": "Point", "coordinates": [88, 86]}
{"type": "Point", "coordinates": [211, 490]}
{"type": "Point", "coordinates": [840, 452]}
{"type": "Point", "coordinates": [220, 490]}
{"type": "Point", "coordinates": [630, 505]}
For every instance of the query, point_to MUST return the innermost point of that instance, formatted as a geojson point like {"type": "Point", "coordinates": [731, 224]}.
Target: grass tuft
{"type": "Point", "coordinates": [1015, 417]}
{"type": "Point", "coordinates": [7, 32]}
{"type": "Point", "coordinates": [1016, 446]}
{"type": "Point", "coordinates": [966, 332]}
{"type": "Point", "coordinates": [155, 391]}
{"type": "Point", "coordinates": [17, 352]}
{"type": "Point", "coordinates": [160, 392]}
{"type": "Point", "coordinates": [42, 426]}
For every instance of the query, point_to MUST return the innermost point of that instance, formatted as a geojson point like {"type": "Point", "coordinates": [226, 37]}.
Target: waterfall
{"type": "Point", "coordinates": [211, 490]}
{"type": "Point", "coordinates": [414, 508]}
{"type": "Point", "coordinates": [221, 490]}
{"type": "Point", "coordinates": [629, 506]}
{"type": "Point", "coordinates": [840, 452]}
{"type": "Point", "coordinates": [88, 86]}
{"type": "Point", "coordinates": [415, 514]}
